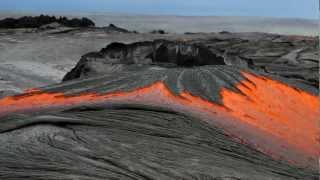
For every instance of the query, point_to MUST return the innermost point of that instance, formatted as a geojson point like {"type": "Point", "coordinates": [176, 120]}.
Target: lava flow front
{"type": "Point", "coordinates": [274, 118]}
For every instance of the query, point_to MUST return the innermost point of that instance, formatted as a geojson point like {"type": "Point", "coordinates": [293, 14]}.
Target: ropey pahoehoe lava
{"type": "Point", "coordinates": [230, 106]}
{"type": "Point", "coordinates": [269, 115]}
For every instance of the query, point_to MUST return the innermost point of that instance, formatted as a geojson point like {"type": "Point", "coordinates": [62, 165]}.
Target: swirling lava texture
{"type": "Point", "coordinates": [267, 114]}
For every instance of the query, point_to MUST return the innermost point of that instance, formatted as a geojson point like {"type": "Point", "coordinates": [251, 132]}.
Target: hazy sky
{"type": "Point", "coordinates": [275, 8]}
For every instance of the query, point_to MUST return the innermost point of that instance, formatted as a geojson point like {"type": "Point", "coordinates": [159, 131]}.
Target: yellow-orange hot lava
{"type": "Point", "coordinates": [285, 112]}
{"type": "Point", "coordinates": [274, 118]}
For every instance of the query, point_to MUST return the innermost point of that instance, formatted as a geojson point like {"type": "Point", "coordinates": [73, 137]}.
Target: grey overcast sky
{"type": "Point", "coordinates": [268, 8]}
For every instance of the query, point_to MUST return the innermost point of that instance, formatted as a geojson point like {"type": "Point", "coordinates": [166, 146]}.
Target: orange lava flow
{"type": "Point", "coordinates": [288, 113]}
{"type": "Point", "coordinates": [272, 117]}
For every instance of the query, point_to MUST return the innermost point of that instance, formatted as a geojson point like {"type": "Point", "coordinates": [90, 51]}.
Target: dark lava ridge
{"type": "Point", "coordinates": [38, 21]}
{"type": "Point", "coordinates": [290, 57]}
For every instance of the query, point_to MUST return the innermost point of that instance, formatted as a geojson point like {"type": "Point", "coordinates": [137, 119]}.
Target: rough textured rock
{"type": "Point", "coordinates": [124, 143]}
{"type": "Point", "coordinates": [162, 53]}
{"type": "Point", "coordinates": [158, 110]}
{"type": "Point", "coordinates": [38, 21]}
{"type": "Point", "coordinates": [286, 56]}
{"type": "Point", "coordinates": [134, 138]}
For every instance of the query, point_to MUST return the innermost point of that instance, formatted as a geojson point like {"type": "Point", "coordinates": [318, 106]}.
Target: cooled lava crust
{"type": "Point", "coordinates": [183, 114]}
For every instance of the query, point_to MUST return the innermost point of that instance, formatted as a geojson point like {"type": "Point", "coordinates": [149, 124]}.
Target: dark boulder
{"type": "Point", "coordinates": [159, 31]}
{"type": "Point", "coordinates": [113, 28]}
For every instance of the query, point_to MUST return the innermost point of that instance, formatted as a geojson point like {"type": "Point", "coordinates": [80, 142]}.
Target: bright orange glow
{"type": "Point", "coordinates": [276, 108]}
{"type": "Point", "coordinates": [270, 116]}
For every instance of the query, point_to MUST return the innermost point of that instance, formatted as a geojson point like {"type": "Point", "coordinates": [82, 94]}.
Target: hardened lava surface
{"type": "Point", "coordinates": [163, 110]}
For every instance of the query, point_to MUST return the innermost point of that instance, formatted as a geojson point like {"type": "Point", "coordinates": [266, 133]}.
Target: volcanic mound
{"type": "Point", "coordinates": [229, 108]}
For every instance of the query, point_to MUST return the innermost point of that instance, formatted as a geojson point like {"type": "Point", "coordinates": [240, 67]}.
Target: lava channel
{"type": "Point", "coordinates": [272, 117]}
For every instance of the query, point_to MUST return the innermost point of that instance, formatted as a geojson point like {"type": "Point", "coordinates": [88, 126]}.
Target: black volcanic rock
{"type": "Point", "coordinates": [38, 21]}
{"type": "Point", "coordinates": [117, 57]}
{"type": "Point", "coordinates": [291, 57]}
{"type": "Point", "coordinates": [159, 31]}
{"type": "Point", "coordinates": [114, 28]}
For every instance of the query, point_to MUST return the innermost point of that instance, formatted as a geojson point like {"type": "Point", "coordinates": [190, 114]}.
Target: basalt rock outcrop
{"type": "Point", "coordinates": [199, 109]}
{"type": "Point", "coordinates": [38, 21]}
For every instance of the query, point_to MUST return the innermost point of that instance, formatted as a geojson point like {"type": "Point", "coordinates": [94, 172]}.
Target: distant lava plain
{"type": "Point", "coordinates": [234, 107]}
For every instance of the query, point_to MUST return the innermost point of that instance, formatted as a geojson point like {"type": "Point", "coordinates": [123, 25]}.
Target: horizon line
{"type": "Point", "coordinates": [76, 13]}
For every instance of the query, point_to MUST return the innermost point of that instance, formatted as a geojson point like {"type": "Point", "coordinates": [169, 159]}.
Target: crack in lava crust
{"type": "Point", "coordinates": [272, 117]}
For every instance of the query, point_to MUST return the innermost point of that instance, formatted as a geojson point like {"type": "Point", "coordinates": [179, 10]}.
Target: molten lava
{"type": "Point", "coordinates": [272, 117]}
{"type": "Point", "coordinates": [285, 112]}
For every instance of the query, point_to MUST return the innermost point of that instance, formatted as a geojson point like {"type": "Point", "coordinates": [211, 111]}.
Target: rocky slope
{"type": "Point", "coordinates": [38, 57]}
{"type": "Point", "coordinates": [188, 108]}
{"type": "Point", "coordinates": [285, 56]}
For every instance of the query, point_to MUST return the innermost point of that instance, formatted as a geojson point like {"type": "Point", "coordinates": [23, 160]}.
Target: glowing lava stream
{"type": "Point", "coordinates": [272, 117]}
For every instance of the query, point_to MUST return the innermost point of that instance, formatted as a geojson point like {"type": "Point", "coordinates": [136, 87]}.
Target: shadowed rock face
{"type": "Point", "coordinates": [36, 22]}
{"type": "Point", "coordinates": [166, 110]}
{"type": "Point", "coordinates": [117, 56]}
